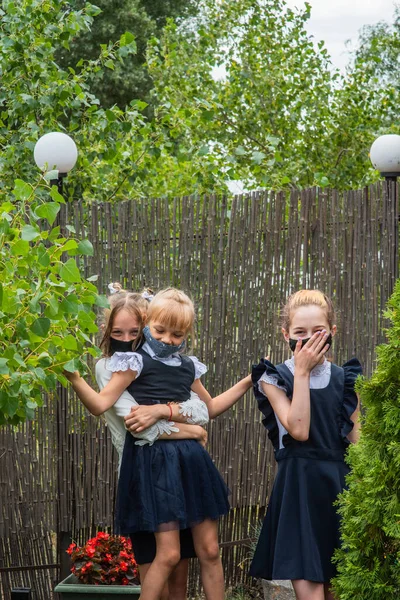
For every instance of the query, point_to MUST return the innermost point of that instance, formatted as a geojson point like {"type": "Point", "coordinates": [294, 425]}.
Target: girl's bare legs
{"type": "Point", "coordinates": [205, 538]}
{"type": "Point", "coordinates": [308, 590]}
{"type": "Point", "coordinates": [167, 557]}
{"type": "Point", "coordinates": [143, 571]}
{"type": "Point", "coordinates": [177, 582]}
{"type": "Point", "coordinates": [176, 588]}
{"type": "Point", "coordinates": [328, 592]}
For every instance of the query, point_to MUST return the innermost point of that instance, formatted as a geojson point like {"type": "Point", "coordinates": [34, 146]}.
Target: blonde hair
{"type": "Point", "coordinates": [173, 308]}
{"type": "Point", "coordinates": [307, 298]}
{"type": "Point", "coordinates": [132, 302]}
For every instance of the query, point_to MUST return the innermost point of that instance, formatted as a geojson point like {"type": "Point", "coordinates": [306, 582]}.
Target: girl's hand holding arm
{"type": "Point", "coordinates": [193, 412]}
{"type": "Point", "coordinates": [295, 415]}
{"type": "Point", "coordinates": [143, 416]}
{"type": "Point", "coordinates": [99, 402]}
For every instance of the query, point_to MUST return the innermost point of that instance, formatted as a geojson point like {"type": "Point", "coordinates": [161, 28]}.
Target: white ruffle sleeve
{"type": "Point", "coordinates": [122, 407]}
{"type": "Point", "coordinates": [194, 410]}
{"type": "Point", "coordinates": [122, 361]}
{"type": "Point", "coordinates": [272, 380]}
{"type": "Point", "coordinates": [199, 367]}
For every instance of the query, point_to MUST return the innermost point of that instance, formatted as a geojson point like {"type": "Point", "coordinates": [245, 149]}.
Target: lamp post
{"type": "Point", "coordinates": [57, 152]}
{"type": "Point", "coordinates": [385, 157]}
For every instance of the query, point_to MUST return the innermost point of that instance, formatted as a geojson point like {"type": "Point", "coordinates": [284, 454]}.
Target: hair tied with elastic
{"type": "Point", "coordinates": [114, 288]}
{"type": "Point", "coordinates": [147, 296]}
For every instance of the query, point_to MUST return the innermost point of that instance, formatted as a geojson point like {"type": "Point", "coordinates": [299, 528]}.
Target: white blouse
{"type": "Point", "coordinates": [122, 361]}
{"type": "Point", "coordinates": [319, 379]}
{"type": "Point", "coordinates": [320, 376]}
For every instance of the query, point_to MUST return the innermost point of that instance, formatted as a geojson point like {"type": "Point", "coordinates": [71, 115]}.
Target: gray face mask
{"type": "Point", "coordinates": [160, 349]}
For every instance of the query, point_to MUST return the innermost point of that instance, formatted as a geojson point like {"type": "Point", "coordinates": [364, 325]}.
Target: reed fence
{"type": "Point", "coordinates": [239, 259]}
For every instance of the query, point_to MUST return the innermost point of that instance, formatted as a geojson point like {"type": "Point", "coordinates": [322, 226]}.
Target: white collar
{"type": "Point", "coordinates": [318, 371]}
{"type": "Point", "coordinates": [174, 360]}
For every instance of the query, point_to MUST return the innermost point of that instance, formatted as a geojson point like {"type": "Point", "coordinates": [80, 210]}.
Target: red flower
{"type": "Point", "coordinates": [123, 566]}
{"type": "Point", "coordinates": [71, 548]}
{"type": "Point", "coordinates": [104, 558]}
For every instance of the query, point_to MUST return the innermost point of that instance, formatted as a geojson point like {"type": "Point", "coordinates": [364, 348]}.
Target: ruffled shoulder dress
{"type": "Point", "coordinates": [301, 529]}
{"type": "Point", "coordinates": [172, 484]}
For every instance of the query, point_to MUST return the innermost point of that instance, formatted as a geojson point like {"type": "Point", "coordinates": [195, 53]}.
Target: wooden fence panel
{"type": "Point", "coordinates": [239, 259]}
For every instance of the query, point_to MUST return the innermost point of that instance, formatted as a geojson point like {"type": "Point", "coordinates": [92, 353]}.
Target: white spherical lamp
{"type": "Point", "coordinates": [55, 151]}
{"type": "Point", "coordinates": [385, 155]}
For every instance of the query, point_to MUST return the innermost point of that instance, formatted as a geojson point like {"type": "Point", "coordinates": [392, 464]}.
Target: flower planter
{"type": "Point", "coordinates": [72, 589]}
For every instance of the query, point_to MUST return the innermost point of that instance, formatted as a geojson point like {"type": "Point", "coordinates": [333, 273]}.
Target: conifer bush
{"type": "Point", "coordinates": [369, 559]}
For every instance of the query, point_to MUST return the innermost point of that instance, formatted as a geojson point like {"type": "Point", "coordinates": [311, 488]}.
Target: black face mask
{"type": "Point", "coordinates": [120, 346]}
{"type": "Point", "coordinates": [293, 343]}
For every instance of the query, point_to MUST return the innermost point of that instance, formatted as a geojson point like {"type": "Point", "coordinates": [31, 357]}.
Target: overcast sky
{"type": "Point", "coordinates": [336, 21]}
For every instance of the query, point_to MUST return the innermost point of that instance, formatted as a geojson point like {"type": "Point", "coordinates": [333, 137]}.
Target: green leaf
{"type": "Point", "coordinates": [54, 193]}
{"type": "Point", "coordinates": [111, 116]}
{"type": "Point", "coordinates": [4, 370]}
{"type": "Point", "coordinates": [70, 343]}
{"type": "Point", "coordinates": [8, 403]}
{"type": "Point", "coordinates": [258, 157]}
{"type": "Point", "coordinates": [48, 211]}
{"type": "Point", "coordinates": [126, 38]}
{"type": "Point", "coordinates": [102, 301]}
{"type": "Point", "coordinates": [29, 233]}
{"type": "Point", "coordinates": [41, 326]}
{"type": "Point", "coordinates": [85, 247]}
{"type": "Point", "coordinates": [87, 321]}
{"type": "Point", "coordinates": [240, 151]}
{"type": "Point", "coordinates": [43, 256]}
{"type": "Point", "coordinates": [69, 272]}
{"type": "Point", "coordinates": [70, 304]}
{"type": "Point", "coordinates": [22, 190]}
{"type": "Point", "coordinates": [204, 150]}
{"type": "Point", "coordinates": [20, 248]}
{"type": "Point", "coordinates": [72, 365]}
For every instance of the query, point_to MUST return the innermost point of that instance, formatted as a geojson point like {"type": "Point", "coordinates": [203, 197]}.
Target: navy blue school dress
{"type": "Point", "coordinates": [172, 484]}
{"type": "Point", "coordinates": [301, 528]}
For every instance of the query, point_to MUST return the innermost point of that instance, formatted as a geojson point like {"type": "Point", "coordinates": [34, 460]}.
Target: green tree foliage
{"type": "Point", "coordinates": [376, 60]}
{"type": "Point", "coordinates": [47, 309]}
{"type": "Point", "coordinates": [47, 316]}
{"type": "Point", "coordinates": [129, 79]}
{"type": "Point", "coordinates": [369, 560]}
{"type": "Point", "coordinates": [263, 99]}
{"type": "Point", "coordinates": [122, 154]}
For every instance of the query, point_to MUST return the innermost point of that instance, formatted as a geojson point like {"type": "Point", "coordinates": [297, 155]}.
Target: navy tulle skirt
{"type": "Point", "coordinates": [172, 484]}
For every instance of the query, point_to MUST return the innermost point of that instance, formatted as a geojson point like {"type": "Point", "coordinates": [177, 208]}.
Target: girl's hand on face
{"type": "Point", "coordinates": [308, 356]}
{"type": "Point", "coordinates": [143, 416]}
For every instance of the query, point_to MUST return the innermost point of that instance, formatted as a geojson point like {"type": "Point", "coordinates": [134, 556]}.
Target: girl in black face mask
{"type": "Point", "coordinates": [172, 485]}
{"type": "Point", "coordinates": [123, 323]}
{"type": "Point", "coordinates": [311, 411]}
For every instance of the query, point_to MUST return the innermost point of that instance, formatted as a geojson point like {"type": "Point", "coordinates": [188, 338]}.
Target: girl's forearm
{"type": "Point", "coordinates": [96, 402]}
{"type": "Point", "coordinates": [186, 432]}
{"type": "Point", "coordinates": [91, 399]}
{"type": "Point", "coordinates": [298, 418]}
{"type": "Point", "coordinates": [218, 405]}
